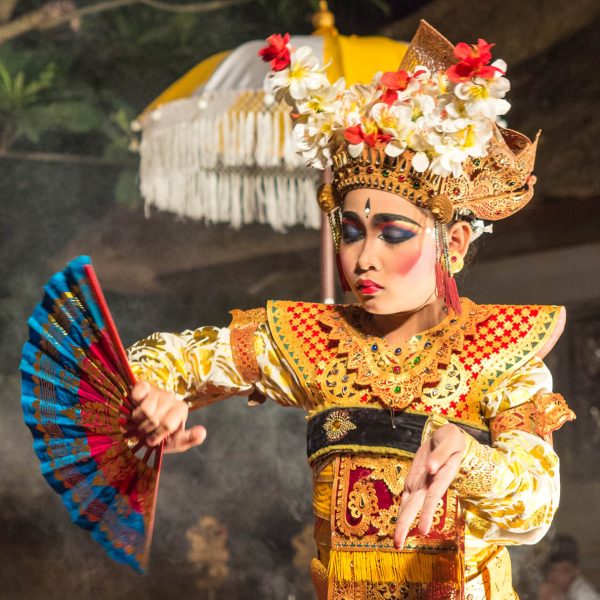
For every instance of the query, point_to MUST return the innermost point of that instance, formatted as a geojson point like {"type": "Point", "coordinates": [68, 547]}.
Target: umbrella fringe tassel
{"type": "Point", "coordinates": [235, 167]}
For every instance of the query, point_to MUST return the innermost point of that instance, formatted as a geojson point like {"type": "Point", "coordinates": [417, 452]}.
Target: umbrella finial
{"type": "Point", "coordinates": [323, 20]}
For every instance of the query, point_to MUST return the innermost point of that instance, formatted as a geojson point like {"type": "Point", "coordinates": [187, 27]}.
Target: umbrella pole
{"type": "Point", "coordinates": [327, 254]}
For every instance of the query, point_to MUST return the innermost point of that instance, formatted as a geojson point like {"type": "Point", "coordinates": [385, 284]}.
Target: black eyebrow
{"type": "Point", "coordinates": [380, 218]}
{"type": "Point", "coordinates": [390, 217]}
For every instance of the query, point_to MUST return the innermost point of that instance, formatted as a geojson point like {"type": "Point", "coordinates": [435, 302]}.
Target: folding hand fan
{"type": "Point", "coordinates": [75, 395]}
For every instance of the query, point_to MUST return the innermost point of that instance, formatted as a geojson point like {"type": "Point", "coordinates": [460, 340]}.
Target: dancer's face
{"type": "Point", "coordinates": [388, 251]}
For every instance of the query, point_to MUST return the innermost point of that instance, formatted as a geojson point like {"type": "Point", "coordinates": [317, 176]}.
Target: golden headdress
{"type": "Point", "coordinates": [427, 133]}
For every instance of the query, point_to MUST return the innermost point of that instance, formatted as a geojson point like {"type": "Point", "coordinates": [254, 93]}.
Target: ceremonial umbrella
{"type": "Point", "coordinates": [215, 147]}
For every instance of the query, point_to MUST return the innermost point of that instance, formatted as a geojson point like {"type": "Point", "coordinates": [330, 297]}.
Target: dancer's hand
{"type": "Point", "coordinates": [160, 416]}
{"type": "Point", "coordinates": [433, 469]}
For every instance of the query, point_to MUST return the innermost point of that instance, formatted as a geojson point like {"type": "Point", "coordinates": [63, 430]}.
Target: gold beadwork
{"type": "Point", "coordinates": [337, 425]}
{"type": "Point", "coordinates": [475, 477]}
{"type": "Point", "coordinates": [397, 379]}
{"type": "Point", "coordinates": [441, 207]}
{"type": "Point", "coordinates": [492, 188]}
{"type": "Point", "coordinates": [325, 198]}
{"type": "Point", "coordinates": [242, 330]}
{"type": "Point", "coordinates": [543, 414]}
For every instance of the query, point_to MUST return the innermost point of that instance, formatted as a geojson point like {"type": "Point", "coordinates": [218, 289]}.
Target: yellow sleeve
{"type": "Point", "coordinates": [510, 491]}
{"type": "Point", "coordinates": [209, 363]}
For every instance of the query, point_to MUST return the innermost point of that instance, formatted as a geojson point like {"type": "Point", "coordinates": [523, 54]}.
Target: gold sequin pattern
{"type": "Point", "coordinates": [243, 328]}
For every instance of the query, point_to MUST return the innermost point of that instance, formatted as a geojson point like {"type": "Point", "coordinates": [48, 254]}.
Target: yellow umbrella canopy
{"type": "Point", "coordinates": [214, 148]}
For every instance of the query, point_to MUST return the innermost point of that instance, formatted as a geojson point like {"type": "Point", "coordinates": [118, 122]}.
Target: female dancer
{"type": "Point", "coordinates": [430, 417]}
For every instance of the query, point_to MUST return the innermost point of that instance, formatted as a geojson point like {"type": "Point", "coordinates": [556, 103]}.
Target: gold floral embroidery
{"type": "Point", "coordinates": [368, 590]}
{"type": "Point", "coordinates": [397, 377]}
{"type": "Point", "coordinates": [337, 425]}
{"type": "Point", "coordinates": [542, 415]}
{"type": "Point", "coordinates": [362, 500]}
{"type": "Point", "coordinates": [410, 591]}
{"type": "Point", "coordinates": [475, 476]}
{"type": "Point", "coordinates": [243, 327]}
{"type": "Point", "coordinates": [390, 472]}
{"type": "Point", "coordinates": [348, 590]}
{"type": "Point", "coordinates": [386, 520]}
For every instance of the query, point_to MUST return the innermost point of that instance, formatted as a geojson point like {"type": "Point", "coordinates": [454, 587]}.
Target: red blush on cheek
{"type": "Point", "coordinates": [408, 261]}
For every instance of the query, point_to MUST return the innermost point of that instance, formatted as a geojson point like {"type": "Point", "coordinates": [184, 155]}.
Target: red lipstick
{"type": "Point", "coordinates": [368, 287]}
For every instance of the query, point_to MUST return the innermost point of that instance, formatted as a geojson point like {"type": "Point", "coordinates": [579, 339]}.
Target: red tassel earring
{"type": "Point", "coordinates": [445, 284]}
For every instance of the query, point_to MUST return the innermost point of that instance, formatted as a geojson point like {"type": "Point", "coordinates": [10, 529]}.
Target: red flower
{"type": "Point", "coordinates": [277, 53]}
{"type": "Point", "coordinates": [474, 62]}
{"type": "Point", "coordinates": [394, 81]}
{"type": "Point", "coordinates": [355, 135]}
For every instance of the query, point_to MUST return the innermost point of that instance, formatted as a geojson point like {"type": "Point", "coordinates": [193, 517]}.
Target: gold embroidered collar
{"type": "Point", "coordinates": [397, 376]}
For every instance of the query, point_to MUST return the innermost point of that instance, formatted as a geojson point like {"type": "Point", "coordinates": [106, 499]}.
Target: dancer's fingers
{"type": "Point", "coordinates": [445, 442]}
{"type": "Point", "coordinates": [185, 439]}
{"type": "Point", "coordinates": [139, 391]}
{"type": "Point", "coordinates": [438, 487]}
{"type": "Point", "coordinates": [407, 513]}
{"type": "Point", "coordinates": [171, 421]}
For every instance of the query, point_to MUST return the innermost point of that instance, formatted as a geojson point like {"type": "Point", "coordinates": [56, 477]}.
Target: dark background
{"type": "Point", "coordinates": [68, 187]}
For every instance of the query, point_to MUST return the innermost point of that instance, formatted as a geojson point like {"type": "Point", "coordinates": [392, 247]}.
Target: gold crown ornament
{"type": "Point", "coordinates": [428, 132]}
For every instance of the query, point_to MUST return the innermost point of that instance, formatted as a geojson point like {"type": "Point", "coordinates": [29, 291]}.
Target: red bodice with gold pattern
{"type": "Point", "coordinates": [445, 370]}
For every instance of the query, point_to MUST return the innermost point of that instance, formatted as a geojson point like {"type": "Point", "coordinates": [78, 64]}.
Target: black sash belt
{"type": "Point", "coordinates": [372, 430]}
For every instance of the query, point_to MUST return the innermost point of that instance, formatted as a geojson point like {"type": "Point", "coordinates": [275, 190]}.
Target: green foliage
{"type": "Point", "coordinates": [71, 116]}
{"type": "Point", "coordinates": [17, 93]}
{"type": "Point", "coordinates": [34, 101]}
{"type": "Point", "coordinates": [73, 92]}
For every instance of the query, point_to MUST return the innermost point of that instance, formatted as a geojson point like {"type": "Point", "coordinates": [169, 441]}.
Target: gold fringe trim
{"type": "Point", "coordinates": [357, 449]}
{"type": "Point", "coordinates": [399, 567]}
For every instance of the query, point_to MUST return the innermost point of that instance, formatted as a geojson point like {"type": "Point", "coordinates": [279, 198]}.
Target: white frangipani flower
{"type": "Point", "coordinates": [443, 119]}
{"type": "Point", "coordinates": [323, 99]}
{"type": "Point", "coordinates": [396, 121]}
{"type": "Point", "coordinates": [353, 105]}
{"type": "Point", "coordinates": [420, 162]}
{"type": "Point", "coordinates": [302, 76]}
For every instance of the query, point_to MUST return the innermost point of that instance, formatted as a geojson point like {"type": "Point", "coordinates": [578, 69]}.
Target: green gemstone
{"type": "Point", "coordinates": [416, 185]}
{"type": "Point", "coordinates": [476, 162]}
{"type": "Point", "coordinates": [417, 360]}
{"type": "Point", "coordinates": [356, 170]}
{"type": "Point", "coordinates": [385, 173]}
{"type": "Point", "coordinates": [397, 389]}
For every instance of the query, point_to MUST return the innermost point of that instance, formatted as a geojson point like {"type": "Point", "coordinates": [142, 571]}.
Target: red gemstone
{"type": "Point", "coordinates": [456, 191]}
{"type": "Point", "coordinates": [369, 170]}
{"type": "Point", "coordinates": [401, 177]}
{"type": "Point", "coordinates": [396, 369]}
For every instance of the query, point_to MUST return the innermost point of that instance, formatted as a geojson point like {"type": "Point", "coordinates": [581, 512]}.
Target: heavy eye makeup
{"type": "Point", "coordinates": [393, 229]}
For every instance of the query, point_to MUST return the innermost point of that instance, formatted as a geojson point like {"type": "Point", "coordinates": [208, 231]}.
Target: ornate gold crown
{"type": "Point", "coordinates": [491, 188]}
{"type": "Point", "coordinates": [427, 132]}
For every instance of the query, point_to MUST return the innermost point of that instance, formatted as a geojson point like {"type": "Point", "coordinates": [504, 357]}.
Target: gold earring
{"type": "Point", "coordinates": [456, 262]}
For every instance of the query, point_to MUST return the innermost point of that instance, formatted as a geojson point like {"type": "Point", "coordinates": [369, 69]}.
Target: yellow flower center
{"type": "Point", "coordinates": [479, 92]}
{"type": "Point", "coordinates": [369, 126]}
{"type": "Point", "coordinates": [469, 136]}
{"type": "Point", "coordinates": [298, 71]}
